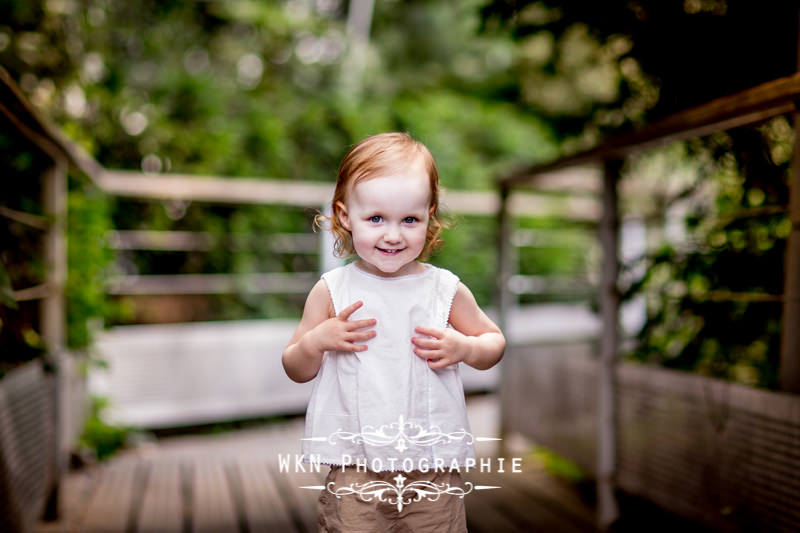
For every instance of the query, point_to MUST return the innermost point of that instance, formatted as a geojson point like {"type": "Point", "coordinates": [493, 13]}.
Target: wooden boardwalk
{"type": "Point", "coordinates": [231, 482]}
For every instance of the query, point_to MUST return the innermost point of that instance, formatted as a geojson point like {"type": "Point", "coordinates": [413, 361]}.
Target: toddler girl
{"type": "Point", "coordinates": [383, 337]}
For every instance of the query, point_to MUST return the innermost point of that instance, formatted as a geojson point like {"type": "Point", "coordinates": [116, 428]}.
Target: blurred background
{"type": "Point", "coordinates": [163, 162]}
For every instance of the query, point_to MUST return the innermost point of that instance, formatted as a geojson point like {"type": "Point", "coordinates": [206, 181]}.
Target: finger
{"type": "Point", "coordinates": [432, 332]}
{"type": "Point", "coordinates": [430, 344]}
{"type": "Point", "coordinates": [347, 311]}
{"type": "Point", "coordinates": [350, 347]}
{"type": "Point", "coordinates": [438, 364]}
{"type": "Point", "coordinates": [360, 335]}
{"type": "Point", "coordinates": [428, 354]}
{"type": "Point", "coordinates": [359, 324]}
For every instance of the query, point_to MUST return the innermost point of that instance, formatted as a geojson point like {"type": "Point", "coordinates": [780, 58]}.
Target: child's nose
{"type": "Point", "coordinates": [392, 234]}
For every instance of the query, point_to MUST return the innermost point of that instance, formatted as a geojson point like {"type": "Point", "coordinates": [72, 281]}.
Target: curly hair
{"type": "Point", "coordinates": [373, 157]}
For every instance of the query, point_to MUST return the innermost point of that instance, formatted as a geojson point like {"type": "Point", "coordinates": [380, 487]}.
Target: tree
{"type": "Point", "coordinates": [252, 88]}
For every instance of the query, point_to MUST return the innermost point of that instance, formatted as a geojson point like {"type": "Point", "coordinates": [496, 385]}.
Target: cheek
{"type": "Point", "coordinates": [362, 236]}
{"type": "Point", "coordinates": [419, 236]}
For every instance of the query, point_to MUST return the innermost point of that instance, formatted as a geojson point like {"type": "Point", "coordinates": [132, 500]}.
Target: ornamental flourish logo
{"type": "Point", "coordinates": [400, 494]}
{"type": "Point", "coordinates": [401, 434]}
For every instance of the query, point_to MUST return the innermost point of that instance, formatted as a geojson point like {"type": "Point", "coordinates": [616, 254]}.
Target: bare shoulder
{"type": "Point", "coordinates": [466, 316]}
{"type": "Point", "coordinates": [318, 302]}
{"type": "Point", "coordinates": [318, 309]}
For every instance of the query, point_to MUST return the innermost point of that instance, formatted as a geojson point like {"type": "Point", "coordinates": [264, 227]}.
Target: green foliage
{"type": "Point", "coordinates": [557, 465]}
{"type": "Point", "coordinates": [470, 251]}
{"type": "Point", "coordinates": [102, 439]}
{"type": "Point", "coordinates": [472, 140]}
{"type": "Point", "coordinates": [88, 261]}
{"type": "Point", "coordinates": [22, 260]}
{"type": "Point", "coordinates": [714, 301]}
{"type": "Point", "coordinates": [259, 89]}
{"type": "Point", "coordinates": [594, 70]}
{"type": "Point", "coordinates": [21, 249]}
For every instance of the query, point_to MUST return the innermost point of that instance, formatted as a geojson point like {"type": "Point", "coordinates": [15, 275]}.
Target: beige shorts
{"type": "Point", "coordinates": [352, 514]}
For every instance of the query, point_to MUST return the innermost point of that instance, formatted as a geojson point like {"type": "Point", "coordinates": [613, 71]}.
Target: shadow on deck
{"type": "Point", "coordinates": [231, 482]}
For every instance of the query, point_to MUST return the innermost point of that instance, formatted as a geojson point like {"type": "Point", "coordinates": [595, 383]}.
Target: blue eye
{"type": "Point", "coordinates": [375, 219]}
{"type": "Point", "coordinates": [410, 220]}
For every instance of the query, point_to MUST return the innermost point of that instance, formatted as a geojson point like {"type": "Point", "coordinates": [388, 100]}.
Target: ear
{"type": "Point", "coordinates": [340, 211]}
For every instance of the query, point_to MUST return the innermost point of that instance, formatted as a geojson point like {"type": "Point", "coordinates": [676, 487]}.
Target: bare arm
{"type": "Point", "coordinates": [319, 330]}
{"type": "Point", "coordinates": [474, 339]}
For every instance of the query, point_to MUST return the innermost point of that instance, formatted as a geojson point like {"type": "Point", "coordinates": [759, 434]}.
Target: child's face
{"type": "Point", "coordinates": [388, 218]}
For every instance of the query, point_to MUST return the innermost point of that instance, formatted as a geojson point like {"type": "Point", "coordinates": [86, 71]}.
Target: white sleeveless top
{"type": "Point", "coordinates": [385, 402]}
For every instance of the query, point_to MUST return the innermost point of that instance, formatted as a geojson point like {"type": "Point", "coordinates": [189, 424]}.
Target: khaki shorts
{"type": "Point", "coordinates": [350, 513]}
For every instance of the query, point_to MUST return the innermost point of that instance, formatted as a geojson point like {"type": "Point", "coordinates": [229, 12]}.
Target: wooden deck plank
{"type": "Point", "coordinates": [483, 515]}
{"type": "Point", "coordinates": [75, 494]}
{"type": "Point", "coordinates": [263, 506]}
{"type": "Point", "coordinates": [524, 504]}
{"type": "Point", "coordinates": [212, 504]}
{"type": "Point", "coordinates": [109, 506]}
{"type": "Point", "coordinates": [302, 503]}
{"type": "Point", "coordinates": [231, 483]}
{"type": "Point", "coordinates": [162, 508]}
{"type": "Point", "coordinates": [557, 494]}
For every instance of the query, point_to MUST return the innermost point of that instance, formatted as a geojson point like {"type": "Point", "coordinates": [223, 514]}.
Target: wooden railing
{"type": "Point", "coordinates": [754, 105]}
{"type": "Point", "coordinates": [242, 191]}
{"type": "Point", "coordinates": [29, 482]}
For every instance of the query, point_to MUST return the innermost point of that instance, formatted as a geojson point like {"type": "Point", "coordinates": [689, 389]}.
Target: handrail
{"type": "Point", "coordinates": [313, 194]}
{"type": "Point", "coordinates": [29, 219]}
{"type": "Point", "coordinates": [44, 135]}
{"type": "Point", "coordinates": [175, 284]}
{"type": "Point", "coordinates": [776, 97]}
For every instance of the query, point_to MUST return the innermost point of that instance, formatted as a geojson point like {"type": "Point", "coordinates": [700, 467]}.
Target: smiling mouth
{"type": "Point", "coordinates": [390, 252]}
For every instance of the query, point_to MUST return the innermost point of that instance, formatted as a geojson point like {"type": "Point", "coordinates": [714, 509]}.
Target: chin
{"type": "Point", "coordinates": [390, 270]}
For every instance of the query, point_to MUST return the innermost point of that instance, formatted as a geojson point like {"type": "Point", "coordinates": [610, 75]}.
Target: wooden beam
{"type": "Point", "coordinates": [29, 219]}
{"type": "Point", "coordinates": [521, 204]}
{"type": "Point", "coordinates": [171, 241]}
{"type": "Point", "coordinates": [310, 194]}
{"type": "Point", "coordinates": [556, 285]}
{"type": "Point", "coordinates": [188, 241]}
{"type": "Point", "coordinates": [215, 189]}
{"type": "Point", "coordinates": [270, 283]}
{"type": "Point", "coordinates": [48, 138]}
{"type": "Point", "coordinates": [752, 105]}
{"type": "Point", "coordinates": [37, 292]}
{"type": "Point", "coordinates": [607, 508]}
{"type": "Point", "coordinates": [586, 180]}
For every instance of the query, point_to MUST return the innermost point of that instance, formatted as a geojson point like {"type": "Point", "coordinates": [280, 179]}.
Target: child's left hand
{"type": "Point", "coordinates": [446, 348]}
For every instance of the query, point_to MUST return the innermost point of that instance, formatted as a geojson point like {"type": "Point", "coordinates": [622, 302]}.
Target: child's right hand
{"type": "Point", "coordinates": [340, 334]}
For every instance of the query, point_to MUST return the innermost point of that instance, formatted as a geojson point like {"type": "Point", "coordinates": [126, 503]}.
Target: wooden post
{"type": "Point", "coordinates": [504, 259]}
{"type": "Point", "coordinates": [789, 370]}
{"type": "Point", "coordinates": [503, 303]}
{"type": "Point", "coordinates": [52, 309]}
{"type": "Point", "coordinates": [54, 201]}
{"type": "Point", "coordinates": [607, 508]}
